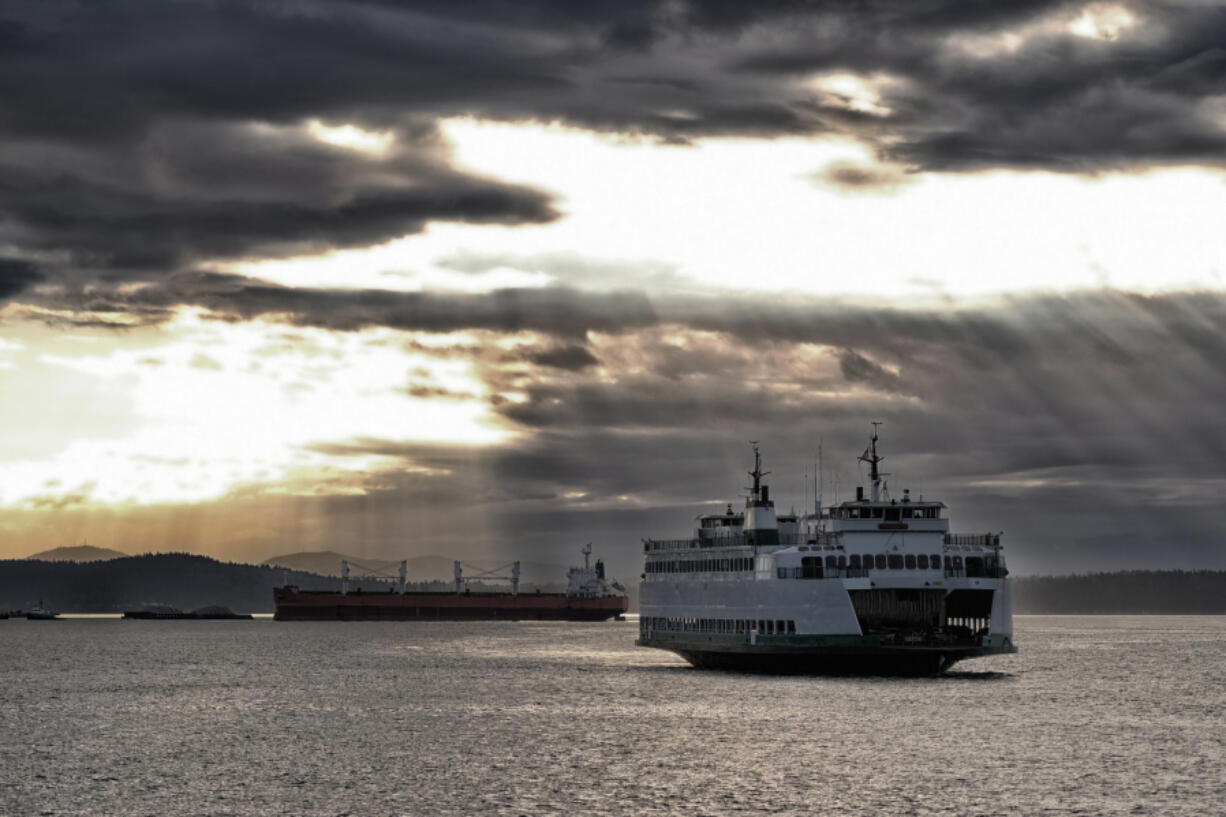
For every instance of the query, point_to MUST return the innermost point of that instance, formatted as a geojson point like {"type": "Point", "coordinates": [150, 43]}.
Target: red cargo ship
{"type": "Point", "coordinates": [588, 597]}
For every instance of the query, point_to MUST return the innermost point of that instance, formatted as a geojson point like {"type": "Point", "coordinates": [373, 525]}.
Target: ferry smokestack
{"type": "Point", "coordinates": [404, 574]}
{"type": "Point", "coordinates": [344, 577]}
{"type": "Point", "coordinates": [859, 493]}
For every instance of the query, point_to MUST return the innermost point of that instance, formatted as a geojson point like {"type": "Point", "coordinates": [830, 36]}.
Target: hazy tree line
{"type": "Point", "coordinates": [189, 582]}
{"type": "Point", "coordinates": [1133, 591]}
{"type": "Point", "coordinates": [176, 579]}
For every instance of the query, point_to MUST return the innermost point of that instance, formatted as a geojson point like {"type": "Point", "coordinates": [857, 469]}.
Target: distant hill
{"type": "Point", "coordinates": [1132, 591]}
{"type": "Point", "coordinates": [190, 582]}
{"type": "Point", "coordinates": [180, 580]}
{"type": "Point", "coordinates": [172, 579]}
{"type": "Point", "coordinates": [77, 553]}
{"type": "Point", "coordinates": [321, 562]}
{"type": "Point", "coordinates": [420, 568]}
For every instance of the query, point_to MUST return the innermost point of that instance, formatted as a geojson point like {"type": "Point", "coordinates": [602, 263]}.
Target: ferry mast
{"type": "Point", "coordinates": [870, 456]}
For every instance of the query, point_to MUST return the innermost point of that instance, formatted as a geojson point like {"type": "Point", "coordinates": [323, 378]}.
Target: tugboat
{"type": "Point", "coordinates": [887, 590]}
{"type": "Point", "coordinates": [40, 613]}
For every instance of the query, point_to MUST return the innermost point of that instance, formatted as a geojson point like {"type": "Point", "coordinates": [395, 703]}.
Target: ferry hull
{"type": "Point", "coordinates": [829, 659]}
{"type": "Point", "coordinates": [305, 605]}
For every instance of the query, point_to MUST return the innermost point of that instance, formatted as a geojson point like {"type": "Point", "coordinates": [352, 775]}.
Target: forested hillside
{"type": "Point", "coordinates": [189, 582]}
{"type": "Point", "coordinates": [176, 579]}
{"type": "Point", "coordinates": [1134, 591]}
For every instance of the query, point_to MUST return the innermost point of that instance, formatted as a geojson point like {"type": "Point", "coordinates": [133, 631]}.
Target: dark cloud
{"type": "Point", "coordinates": [16, 275]}
{"type": "Point", "coordinates": [573, 269]}
{"type": "Point", "coordinates": [140, 137]}
{"type": "Point", "coordinates": [859, 177]}
{"type": "Point", "coordinates": [560, 312]}
{"type": "Point", "coordinates": [139, 140]}
{"type": "Point", "coordinates": [1086, 427]}
{"type": "Point", "coordinates": [571, 358]}
{"type": "Point", "coordinates": [859, 369]}
{"type": "Point", "coordinates": [209, 191]}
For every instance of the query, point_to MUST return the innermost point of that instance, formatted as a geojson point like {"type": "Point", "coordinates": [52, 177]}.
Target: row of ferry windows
{"type": "Point", "coordinates": [701, 565]}
{"type": "Point", "coordinates": [765, 626]}
{"type": "Point", "coordinates": [884, 561]}
{"type": "Point", "coordinates": [869, 561]}
{"type": "Point", "coordinates": [890, 514]}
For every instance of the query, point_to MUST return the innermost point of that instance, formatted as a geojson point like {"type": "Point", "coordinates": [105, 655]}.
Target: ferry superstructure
{"type": "Point", "coordinates": [887, 589]}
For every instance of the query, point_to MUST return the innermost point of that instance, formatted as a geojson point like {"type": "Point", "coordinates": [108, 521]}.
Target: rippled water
{"type": "Point", "coordinates": [1096, 715]}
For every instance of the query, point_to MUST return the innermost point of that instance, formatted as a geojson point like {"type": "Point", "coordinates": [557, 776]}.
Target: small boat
{"type": "Point", "coordinates": [161, 612]}
{"type": "Point", "coordinates": [40, 613]}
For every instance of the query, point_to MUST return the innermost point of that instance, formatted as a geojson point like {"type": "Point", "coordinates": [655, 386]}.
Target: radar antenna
{"type": "Point", "coordinates": [757, 473]}
{"type": "Point", "coordinates": [870, 456]}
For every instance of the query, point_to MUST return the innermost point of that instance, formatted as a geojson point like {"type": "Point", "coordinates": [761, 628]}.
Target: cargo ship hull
{"type": "Point", "coordinates": [306, 605]}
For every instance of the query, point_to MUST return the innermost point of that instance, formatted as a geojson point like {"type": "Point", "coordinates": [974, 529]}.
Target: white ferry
{"type": "Point", "coordinates": [887, 589]}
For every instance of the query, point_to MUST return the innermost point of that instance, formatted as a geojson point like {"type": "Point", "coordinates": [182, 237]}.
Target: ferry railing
{"type": "Point", "coordinates": [823, 573]}
{"type": "Point", "coordinates": [826, 539]}
{"type": "Point", "coordinates": [973, 539]}
{"type": "Point", "coordinates": [996, 571]}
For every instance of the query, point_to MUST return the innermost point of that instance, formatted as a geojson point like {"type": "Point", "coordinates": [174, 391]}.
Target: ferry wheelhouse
{"type": "Point", "coordinates": [873, 585]}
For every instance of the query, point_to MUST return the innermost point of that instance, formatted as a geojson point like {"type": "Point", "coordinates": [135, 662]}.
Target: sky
{"type": "Point", "coordinates": [497, 279]}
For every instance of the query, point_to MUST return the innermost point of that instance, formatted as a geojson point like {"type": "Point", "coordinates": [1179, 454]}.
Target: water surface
{"type": "Point", "coordinates": [1095, 715]}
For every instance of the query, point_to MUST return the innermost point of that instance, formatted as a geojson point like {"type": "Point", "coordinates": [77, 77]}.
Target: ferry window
{"type": "Point", "coordinates": [782, 572]}
{"type": "Point", "coordinates": [791, 626]}
{"type": "Point", "coordinates": [877, 513]}
{"type": "Point", "coordinates": [779, 627]}
{"type": "Point", "coordinates": [923, 561]}
{"type": "Point", "coordinates": [906, 513]}
{"type": "Point", "coordinates": [855, 560]}
{"type": "Point", "coordinates": [880, 561]}
{"type": "Point", "coordinates": [957, 561]}
{"type": "Point", "coordinates": [895, 561]}
{"type": "Point", "coordinates": [936, 562]}
{"type": "Point", "coordinates": [842, 562]}
{"type": "Point", "coordinates": [891, 514]}
{"type": "Point", "coordinates": [910, 557]}
{"type": "Point", "coordinates": [831, 562]}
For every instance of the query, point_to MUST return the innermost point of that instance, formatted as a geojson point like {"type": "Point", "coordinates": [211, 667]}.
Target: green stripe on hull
{"type": "Point", "coordinates": [822, 654]}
